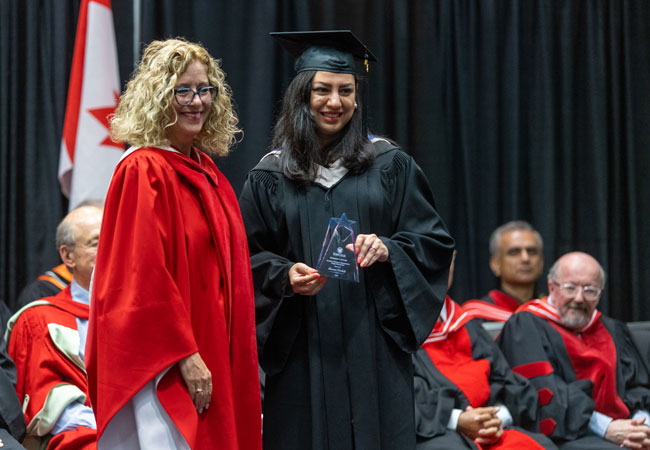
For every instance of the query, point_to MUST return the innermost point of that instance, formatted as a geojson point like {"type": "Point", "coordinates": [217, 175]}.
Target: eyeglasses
{"type": "Point", "coordinates": [570, 290]}
{"type": "Point", "coordinates": [185, 96]}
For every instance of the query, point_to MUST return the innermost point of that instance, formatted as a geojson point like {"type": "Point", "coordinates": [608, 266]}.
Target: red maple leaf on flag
{"type": "Point", "coordinates": [101, 114]}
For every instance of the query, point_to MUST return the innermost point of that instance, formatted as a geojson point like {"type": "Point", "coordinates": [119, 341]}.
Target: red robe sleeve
{"type": "Point", "coordinates": [48, 379]}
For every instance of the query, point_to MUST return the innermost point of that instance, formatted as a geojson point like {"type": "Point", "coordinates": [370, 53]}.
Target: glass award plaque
{"type": "Point", "coordinates": [338, 255]}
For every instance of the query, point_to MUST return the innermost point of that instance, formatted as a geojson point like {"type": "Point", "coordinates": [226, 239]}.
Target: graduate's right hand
{"type": "Point", "coordinates": [305, 280]}
{"type": "Point", "coordinates": [198, 380]}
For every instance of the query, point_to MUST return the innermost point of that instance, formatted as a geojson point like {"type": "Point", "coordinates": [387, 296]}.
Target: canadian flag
{"type": "Point", "coordinates": [88, 156]}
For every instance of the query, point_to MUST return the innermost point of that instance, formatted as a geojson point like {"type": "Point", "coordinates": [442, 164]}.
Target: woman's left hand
{"type": "Point", "coordinates": [370, 249]}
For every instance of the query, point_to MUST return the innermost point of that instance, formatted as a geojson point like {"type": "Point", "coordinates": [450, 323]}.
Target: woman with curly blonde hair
{"type": "Point", "coordinates": [143, 116]}
{"type": "Point", "coordinates": [172, 301]}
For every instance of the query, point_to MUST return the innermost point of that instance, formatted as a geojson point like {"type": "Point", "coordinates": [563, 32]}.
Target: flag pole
{"type": "Point", "coordinates": [137, 15]}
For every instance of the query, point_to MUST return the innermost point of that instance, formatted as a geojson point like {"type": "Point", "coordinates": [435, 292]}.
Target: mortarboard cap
{"type": "Point", "coordinates": [329, 51]}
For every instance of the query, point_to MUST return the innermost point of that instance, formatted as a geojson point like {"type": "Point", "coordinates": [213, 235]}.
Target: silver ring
{"type": "Point", "coordinates": [199, 390]}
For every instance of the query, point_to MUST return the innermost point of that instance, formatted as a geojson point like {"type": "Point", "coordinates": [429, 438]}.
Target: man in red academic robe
{"type": "Point", "coordinates": [516, 258]}
{"type": "Point", "coordinates": [46, 340]}
{"type": "Point", "coordinates": [52, 281]}
{"type": "Point", "coordinates": [466, 396]}
{"type": "Point", "coordinates": [593, 387]}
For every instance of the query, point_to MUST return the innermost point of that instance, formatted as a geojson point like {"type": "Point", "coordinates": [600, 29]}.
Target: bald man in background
{"type": "Point", "coordinates": [593, 387]}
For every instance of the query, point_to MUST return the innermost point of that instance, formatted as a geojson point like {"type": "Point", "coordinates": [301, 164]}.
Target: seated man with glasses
{"type": "Point", "coordinates": [593, 388]}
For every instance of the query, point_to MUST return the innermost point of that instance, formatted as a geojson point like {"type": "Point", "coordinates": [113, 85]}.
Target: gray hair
{"type": "Point", "coordinates": [514, 225]}
{"type": "Point", "coordinates": [554, 271]}
{"type": "Point", "coordinates": [66, 230]}
{"type": "Point", "coordinates": [65, 234]}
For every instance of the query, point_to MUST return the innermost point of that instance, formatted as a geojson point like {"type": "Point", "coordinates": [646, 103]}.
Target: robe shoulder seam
{"type": "Point", "coordinates": [266, 178]}
{"type": "Point", "coordinates": [151, 156]}
{"type": "Point", "coordinates": [397, 164]}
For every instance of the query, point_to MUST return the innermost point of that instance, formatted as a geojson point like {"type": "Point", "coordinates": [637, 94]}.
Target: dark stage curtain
{"type": "Point", "coordinates": [36, 44]}
{"type": "Point", "coordinates": [535, 110]}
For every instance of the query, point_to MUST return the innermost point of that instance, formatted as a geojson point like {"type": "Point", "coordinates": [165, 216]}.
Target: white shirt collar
{"type": "Point", "coordinates": [78, 293]}
{"type": "Point", "coordinates": [162, 147]}
{"type": "Point", "coordinates": [443, 312]}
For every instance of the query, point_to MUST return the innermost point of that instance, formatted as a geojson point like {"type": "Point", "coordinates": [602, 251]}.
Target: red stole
{"type": "Point", "coordinates": [503, 307]}
{"type": "Point", "coordinates": [487, 311]}
{"type": "Point", "coordinates": [503, 300]}
{"type": "Point", "coordinates": [450, 349]}
{"type": "Point", "coordinates": [64, 301]}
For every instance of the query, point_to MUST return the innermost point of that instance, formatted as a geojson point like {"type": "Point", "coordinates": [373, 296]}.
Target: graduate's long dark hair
{"type": "Point", "coordinates": [295, 135]}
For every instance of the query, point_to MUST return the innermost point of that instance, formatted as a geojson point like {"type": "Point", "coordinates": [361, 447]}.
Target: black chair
{"type": "Point", "coordinates": [641, 336]}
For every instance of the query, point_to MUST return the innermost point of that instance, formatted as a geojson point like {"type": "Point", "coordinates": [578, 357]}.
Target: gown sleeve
{"type": "Point", "coordinates": [633, 379]}
{"type": "Point", "coordinates": [410, 293]}
{"type": "Point", "coordinates": [506, 387]}
{"type": "Point", "coordinates": [11, 413]}
{"type": "Point", "coordinates": [434, 401]}
{"type": "Point", "coordinates": [274, 309]}
{"type": "Point", "coordinates": [565, 406]}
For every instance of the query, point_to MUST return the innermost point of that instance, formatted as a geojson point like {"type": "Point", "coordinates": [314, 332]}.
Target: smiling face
{"type": "Point", "coordinates": [190, 117]}
{"type": "Point", "coordinates": [579, 269]}
{"type": "Point", "coordinates": [332, 103]}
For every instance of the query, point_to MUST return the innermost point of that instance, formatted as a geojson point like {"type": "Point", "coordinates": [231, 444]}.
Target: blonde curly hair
{"type": "Point", "coordinates": [145, 109]}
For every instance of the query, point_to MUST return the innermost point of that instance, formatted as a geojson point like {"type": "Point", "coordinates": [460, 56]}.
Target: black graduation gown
{"type": "Point", "coordinates": [48, 284]}
{"type": "Point", "coordinates": [527, 338]}
{"type": "Point", "coordinates": [36, 290]}
{"type": "Point", "coordinates": [12, 420]}
{"type": "Point", "coordinates": [339, 371]}
{"type": "Point", "coordinates": [436, 396]}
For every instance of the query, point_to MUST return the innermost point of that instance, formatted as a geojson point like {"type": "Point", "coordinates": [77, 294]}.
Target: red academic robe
{"type": "Point", "coordinates": [172, 277]}
{"type": "Point", "coordinates": [596, 368]}
{"type": "Point", "coordinates": [458, 366]}
{"type": "Point", "coordinates": [42, 367]}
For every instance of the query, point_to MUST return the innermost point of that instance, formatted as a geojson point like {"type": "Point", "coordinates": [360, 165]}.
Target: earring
{"type": "Point", "coordinates": [355, 105]}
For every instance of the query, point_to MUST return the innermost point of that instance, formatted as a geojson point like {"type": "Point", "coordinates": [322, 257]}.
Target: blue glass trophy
{"type": "Point", "coordinates": [338, 255]}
